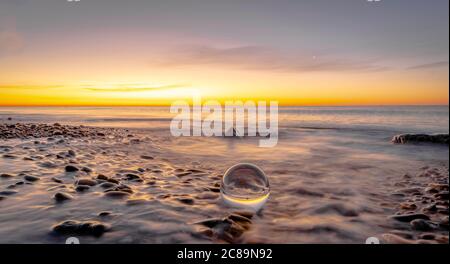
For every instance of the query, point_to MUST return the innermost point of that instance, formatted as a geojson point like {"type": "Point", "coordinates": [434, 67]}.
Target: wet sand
{"type": "Point", "coordinates": [108, 185]}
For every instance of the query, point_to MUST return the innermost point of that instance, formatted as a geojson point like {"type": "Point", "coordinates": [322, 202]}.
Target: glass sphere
{"type": "Point", "coordinates": [245, 186]}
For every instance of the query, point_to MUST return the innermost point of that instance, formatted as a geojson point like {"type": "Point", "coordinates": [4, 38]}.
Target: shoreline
{"type": "Point", "coordinates": [65, 167]}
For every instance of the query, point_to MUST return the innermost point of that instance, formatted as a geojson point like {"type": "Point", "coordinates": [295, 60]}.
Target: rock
{"type": "Point", "coordinates": [87, 182]}
{"type": "Point", "coordinates": [61, 196]}
{"type": "Point", "coordinates": [86, 169]}
{"type": "Point", "coordinates": [48, 164]}
{"type": "Point", "coordinates": [104, 213]}
{"type": "Point", "coordinates": [31, 178]}
{"type": "Point", "coordinates": [444, 223]}
{"type": "Point", "coordinates": [394, 239]}
{"type": "Point", "coordinates": [5, 175]}
{"type": "Point", "coordinates": [239, 218]}
{"type": "Point", "coordinates": [107, 185]}
{"type": "Point", "coordinates": [82, 188]}
{"type": "Point", "coordinates": [71, 153]}
{"type": "Point", "coordinates": [113, 180]}
{"type": "Point", "coordinates": [442, 196]}
{"type": "Point", "coordinates": [9, 156]}
{"type": "Point", "coordinates": [71, 168]}
{"type": "Point", "coordinates": [409, 217]}
{"type": "Point", "coordinates": [8, 192]}
{"type": "Point", "coordinates": [71, 227]}
{"type": "Point", "coordinates": [57, 180]}
{"type": "Point", "coordinates": [188, 201]}
{"type": "Point", "coordinates": [427, 236]}
{"type": "Point", "coordinates": [146, 157]}
{"type": "Point", "coordinates": [407, 138]}
{"type": "Point", "coordinates": [131, 176]}
{"type": "Point", "coordinates": [422, 225]}
{"type": "Point", "coordinates": [102, 177]}
{"type": "Point", "coordinates": [116, 194]}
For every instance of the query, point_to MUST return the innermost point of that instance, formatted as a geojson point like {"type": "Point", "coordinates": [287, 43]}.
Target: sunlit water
{"type": "Point", "coordinates": [331, 175]}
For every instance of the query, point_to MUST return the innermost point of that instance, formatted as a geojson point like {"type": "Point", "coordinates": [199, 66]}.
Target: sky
{"type": "Point", "coordinates": [298, 52]}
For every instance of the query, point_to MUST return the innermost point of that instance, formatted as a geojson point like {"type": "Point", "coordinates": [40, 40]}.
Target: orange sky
{"type": "Point", "coordinates": [61, 55]}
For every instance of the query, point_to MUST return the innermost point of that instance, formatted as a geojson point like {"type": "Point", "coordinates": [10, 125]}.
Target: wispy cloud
{"type": "Point", "coordinates": [10, 39]}
{"type": "Point", "coordinates": [29, 87]}
{"type": "Point", "coordinates": [132, 88]}
{"type": "Point", "coordinates": [262, 58]}
{"type": "Point", "coordinates": [433, 65]}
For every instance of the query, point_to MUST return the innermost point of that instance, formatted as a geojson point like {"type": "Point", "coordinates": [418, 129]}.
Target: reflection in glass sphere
{"type": "Point", "coordinates": [246, 186]}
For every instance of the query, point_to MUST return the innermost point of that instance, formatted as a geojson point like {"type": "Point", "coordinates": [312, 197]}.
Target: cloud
{"type": "Point", "coordinates": [28, 87]}
{"type": "Point", "coordinates": [11, 40]}
{"type": "Point", "coordinates": [433, 65]}
{"type": "Point", "coordinates": [262, 58]}
{"type": "Point", "coordinates": [123, 88]}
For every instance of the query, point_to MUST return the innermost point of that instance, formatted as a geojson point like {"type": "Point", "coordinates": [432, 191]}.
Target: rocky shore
{"type": "Point", "coordinates": [420, 138]}
{"type": "Point", "coordinates": [59, 180]}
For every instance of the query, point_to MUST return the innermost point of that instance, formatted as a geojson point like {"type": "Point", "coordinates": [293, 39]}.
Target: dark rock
{"type": "Point", "coordinates": [406, 138]}
{"type": "Point", "coordinates": [82, 188]}
{"type": "Point", "coordinates": [422, 225]}
{"type": "Point", "coordinates": [102, 177]}
{"type": "Point", "coordinates": [409, 217]}
{"type": "Point", "coordinates": [71, 168]}
{"type": "Point", "coordinates": [31, 178]}
{"type": "Point", "coordinates": [5, 175]}
{"type": "Point", "coordinates": [442, 196]}
{"type": "Point", "coordinates": [71, 227]}
{"type": "Point", "coordinates": [61, 196]}
{"type": "Point", "coordinates": [71, 153]}
{"type": "Point", "coordinates": [8, 192]}
{"type": "Point", "coordinates": [104, 213]}
{"type": "Point", "coordinates": [57, 180]}
{"type": "Point", "coordinates": [116, 194]}
{"type": "Point", "coordinates": [188, 201]}
{"type": "Point", "coordinates": [147, 157]}
{"type": "Point", "coordinates": [107, 185]}
{"type": "Point", "coordinates": [87, 182]}
{"type": "Point", "coordinates": [86, 169]}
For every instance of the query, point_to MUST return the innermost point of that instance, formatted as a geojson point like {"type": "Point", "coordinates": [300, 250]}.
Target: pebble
{"type": "Point", "coordinates": [146, 157]}
{"type": "Point", "coordinates": [71, 227]}
{"type": "Point", "coordinates": [188, 201]}
{"type": "Point", "coordinates": [71, 168]}
{"type": "Point", "coordinates": [422, 225]}
{"type": "Point", "coordinates": [116, 194]}
{"type": "Point", "coordinates": [87, 182]}
{"type": "Point", "coordinates": [409, 217]}
{"type": "Point", "coordinates": [71, 153]}
{"type": "Point", "coordinates": [5, 175]}
{"type": "Point", "coordinates": [82, 188]}
{"type": "Point", "coordinates": [104, 213]}
{"type": "Point", "coordinates": [57, 180]}
{"type": "Point", "coordinates": [102, 177]}
{"type": "Point", "coordinates": [61, 196]}
{"type": "Point", "coordinates": [8, 192]}
{"type": "Point", "coordinates": [86, 169]}
{"type": "Point", "coordinates": [31, 178]}
{"type": "Point", "coordinates": [107, 185]}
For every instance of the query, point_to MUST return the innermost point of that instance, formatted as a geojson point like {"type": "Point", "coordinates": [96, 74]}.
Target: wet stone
{"type": "Point", "coordinates": [72, 227]}
{"type": "Point", "coordinates": [71, 168]}
{"type": "Point", "coordinates": [409, 217]}
{"type": "Point", "coordinates": [61, 196]}
{"type": "Point", "coordinates": [82, 188]}
{"type": "Point", "coordinates": [423, 225]}
{"type": "Point", "coordinates": [87, 182]}
{"type": "Point", "coordinates": [31, 178]}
